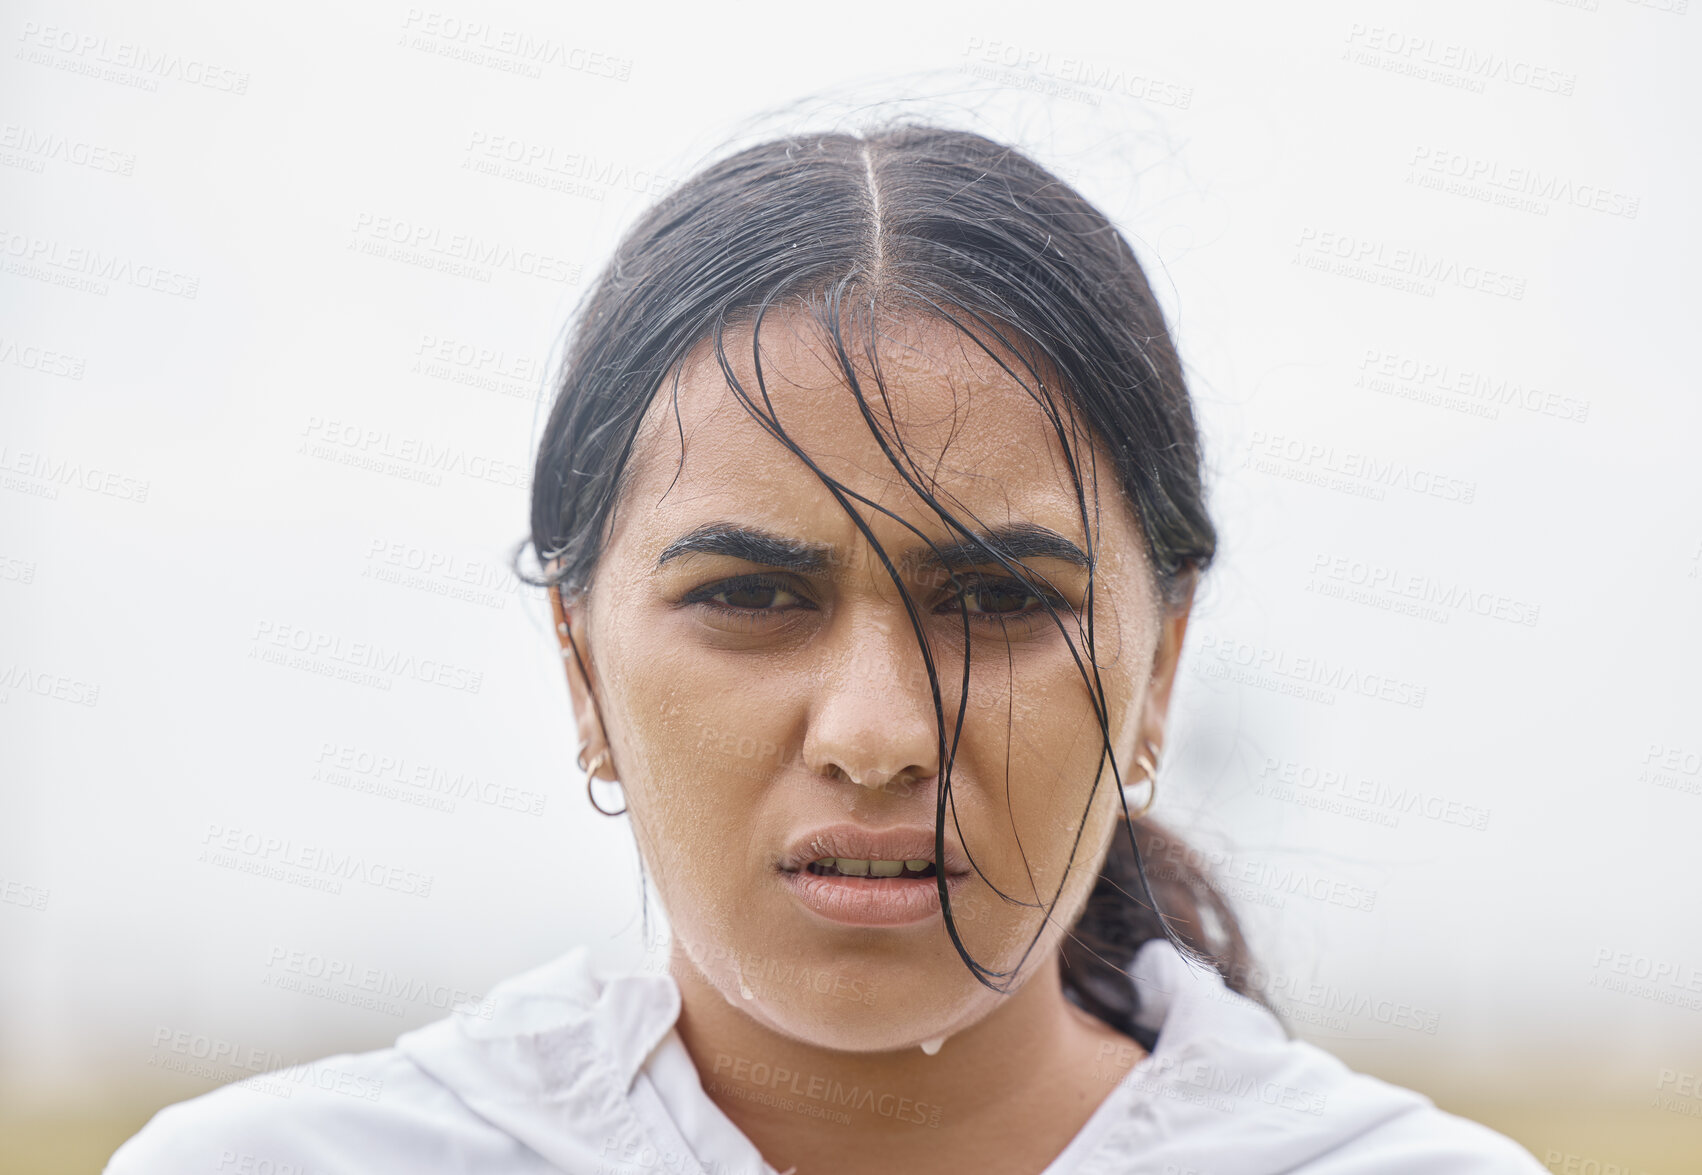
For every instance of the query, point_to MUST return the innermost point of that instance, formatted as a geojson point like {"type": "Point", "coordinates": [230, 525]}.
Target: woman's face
{"type": "Point", "coordinates": [760, 724]}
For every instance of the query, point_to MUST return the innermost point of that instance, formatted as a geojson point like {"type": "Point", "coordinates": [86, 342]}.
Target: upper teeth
{"type": "Point", "coordinates": [852, 867]}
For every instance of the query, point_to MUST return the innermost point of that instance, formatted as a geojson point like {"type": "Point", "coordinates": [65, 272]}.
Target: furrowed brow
{"type": "Point", "coordinates": [1016, 541]}
{"type": "Point", "coordinates": [751, 545]}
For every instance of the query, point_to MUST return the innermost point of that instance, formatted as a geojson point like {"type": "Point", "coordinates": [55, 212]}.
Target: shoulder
{"type": "Point", "coordinates": [1212, 1108]}
{"type": "Point", "coordinates": [492, 1088]}
{"type": "Point", "coordinates": [374, 1110]}
{"type": "Point", "coordinates": [1343, 1122]}
{"type": "Point", "coordinates": [1425, 1140]}
{"type": "Point", "coordinates": [1227, 1089]}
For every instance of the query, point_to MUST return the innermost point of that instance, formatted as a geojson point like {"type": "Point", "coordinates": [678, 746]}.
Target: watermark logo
{"type": "Point", "coordinates": [1399, 267]}
{"type": "Point", "coordinates": [1676, 768]}
{"type": "Point", "coordinates": [123, 62]}
{"type": "Point", "coordinates": [41, 360]}
{"type": "Point", "coordinates": [561, 172]}
{"type": "Point", "coordinates": [768, 970]}
{"type": "Point", "coordinates": [459, 254]}
{"type": "Point", "coordinates": [1663, 981]}
{"type": "Point", "coordinates": [378, 989]}
{"type": "Point", "coordinates": [1026, 67]}
{"type": "Point", "coordinates": [42, 475]}
{"type": "Point", "coordinates": [400, 777]}
{"type": "Point", "coordinates": [440, 573]}
{"type": "Point", "coordinates": [507, 50]}
{"type": "Point", "coordinates": [30, 149]}
{"type": "Point", "coordinates": [1202, 1083]}
{"type": "Point", "coordinates": [328, 654]}
{"type": "Point", "coordinates": [1461, 389]}
{"type": "Point", "coordinates": [1255, 880]}
{"type": "Point", "coordinates": [1424, 597]}
{"type": "Point", "coordinates": [61, 687]}
{"type": "Point", "coordinates": [1360, 797]}
{"type": "Point", "coordinates": [814, 1095]}
{"type": "Point", "coordinates": [86, 269]}
{"type": "Point", "coordinates": [474, 365]}
{"type": "Point", "coordinates": [1350, 471]}
{"type": "Point", "coordinates": [17, 570]}
{"type": "Point", "coordinates": [307, 865]}
{"type": "Point", "coordinates": [265, 1071]}
{"type": "Point", "coordinates": [1310, 678]}
{"type": "Point", "coordinates": [1450, 63]}
{"type": "Point", "coordinates": [1520, 188]}
{"type": "Point", "coordinates": [410, 458]}
{"type": "Point", "coordinates": [1567, 1163]}
{"type": "Point", "coordinates": [21, 893]}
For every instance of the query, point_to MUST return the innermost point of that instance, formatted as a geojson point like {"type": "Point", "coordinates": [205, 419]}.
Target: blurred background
{"type": "Point", "coordinates": [281, 289]}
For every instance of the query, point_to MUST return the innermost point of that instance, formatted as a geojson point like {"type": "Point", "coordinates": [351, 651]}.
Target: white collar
{"type": "Point", "coordinates": [589, 1073]}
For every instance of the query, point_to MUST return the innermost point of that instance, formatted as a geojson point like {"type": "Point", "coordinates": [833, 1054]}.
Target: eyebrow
{"type": "Point", "coordinates": [1021, 540]}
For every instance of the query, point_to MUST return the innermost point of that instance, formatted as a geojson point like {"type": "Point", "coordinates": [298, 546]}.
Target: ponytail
{"type": "Point", "coordinates": [1123, 913]}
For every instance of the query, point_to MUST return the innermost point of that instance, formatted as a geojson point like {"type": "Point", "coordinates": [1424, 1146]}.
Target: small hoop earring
{"type": "Point", "coordinates": [590, 779]}
{"type": "Point", "coordinates": [1149, 759]}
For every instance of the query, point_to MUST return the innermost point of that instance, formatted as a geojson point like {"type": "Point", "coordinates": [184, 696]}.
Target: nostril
{"type": "Point", "coordinates": [859, 779]}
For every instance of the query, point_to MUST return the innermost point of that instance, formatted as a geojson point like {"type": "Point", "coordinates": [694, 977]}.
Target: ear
{"type": "Point", "coordinates": [1165, 660]}
{"type": "Point", "coordinates": [573, 635]}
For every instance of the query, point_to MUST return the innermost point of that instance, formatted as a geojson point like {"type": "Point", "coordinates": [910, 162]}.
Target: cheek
{"type": "Point", "coordinates": [1027, 768]}
{"type": "Point", "coordinates": [686, 722]}
{"type": "Point", "coordinates": [696, 748]}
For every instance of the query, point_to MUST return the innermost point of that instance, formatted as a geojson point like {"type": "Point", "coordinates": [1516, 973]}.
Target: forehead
{"type": "Point", "coordinates": [959, 422]}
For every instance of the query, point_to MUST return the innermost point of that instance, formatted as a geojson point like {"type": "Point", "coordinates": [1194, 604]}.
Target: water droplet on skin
{"type": "Point", "coordinates": [933, 1046]}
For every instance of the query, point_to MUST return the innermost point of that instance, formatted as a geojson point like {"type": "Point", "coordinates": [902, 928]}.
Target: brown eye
{"type": "Point", "coordinates": [1003, 600]}
{"type": "Point", "coordinates": [999, 597]}
{"type": "Point", "coordinates": [755, 596]}
{"type": "Point", "coordinates": [748, 599]}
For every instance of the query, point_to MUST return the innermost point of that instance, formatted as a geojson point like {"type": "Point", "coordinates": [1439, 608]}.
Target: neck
{"type": "Point", "coordinates": [1009, 1092]}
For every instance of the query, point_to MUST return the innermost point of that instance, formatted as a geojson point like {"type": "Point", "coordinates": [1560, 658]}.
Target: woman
{"type": "Point", "coordinates": [868, 616]}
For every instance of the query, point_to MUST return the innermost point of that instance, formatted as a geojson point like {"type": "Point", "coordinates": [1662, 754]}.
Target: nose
{"type": "Point", "coordinates": [872, 718]}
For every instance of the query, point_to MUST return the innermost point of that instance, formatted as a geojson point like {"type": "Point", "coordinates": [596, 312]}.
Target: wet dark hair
{"type": "Point", "coordinates": [949, 224]}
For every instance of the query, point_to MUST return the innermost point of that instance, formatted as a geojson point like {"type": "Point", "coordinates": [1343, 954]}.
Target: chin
{"type": "Point", "coordinates": [893, 1023]}
{"type": "Point", "coordinates": [839, 999]}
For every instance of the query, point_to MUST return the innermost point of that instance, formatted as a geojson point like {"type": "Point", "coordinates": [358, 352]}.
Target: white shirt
{"type": "Point", "coordinates": [576, 1073]}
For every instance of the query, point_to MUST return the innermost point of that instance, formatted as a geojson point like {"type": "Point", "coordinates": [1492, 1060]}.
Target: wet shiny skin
{"type": "Point", "coordinates": [732, 734]}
